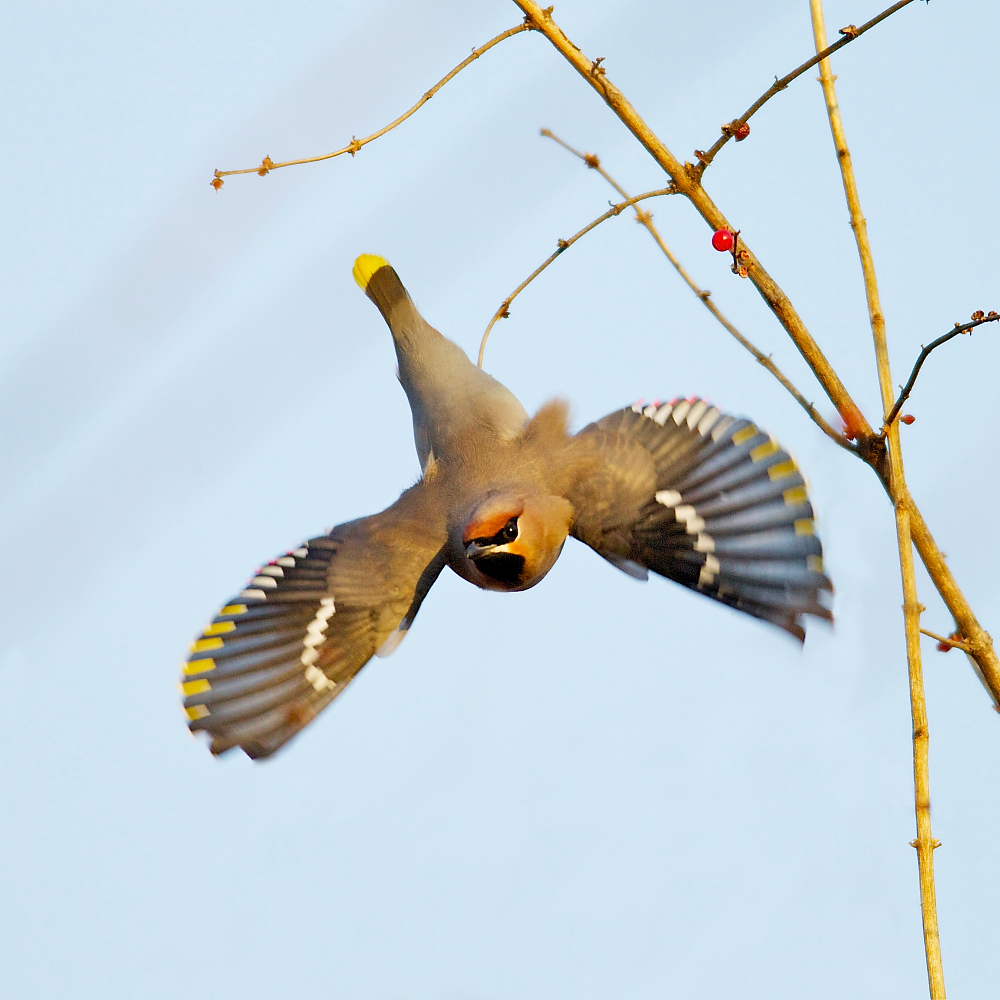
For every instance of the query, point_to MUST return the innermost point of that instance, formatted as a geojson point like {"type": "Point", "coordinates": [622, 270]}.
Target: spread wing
{"type": "Point", "coordinates": [281, 650]}
{"type": "Point", "coordinates": [704, 499]}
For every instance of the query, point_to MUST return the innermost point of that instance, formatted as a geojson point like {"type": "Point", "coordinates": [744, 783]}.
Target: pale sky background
{"type": "Point", "coordinates": [595, 789]}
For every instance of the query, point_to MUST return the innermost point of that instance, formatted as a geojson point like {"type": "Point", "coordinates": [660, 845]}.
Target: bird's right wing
{"type": "Point", "coordinates": [705, 499]}
{"type": "Point", "coordinates": [280, 651]}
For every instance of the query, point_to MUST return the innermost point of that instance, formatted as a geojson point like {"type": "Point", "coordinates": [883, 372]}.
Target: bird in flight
{"type": "Point", "coordinates": [681, 489]}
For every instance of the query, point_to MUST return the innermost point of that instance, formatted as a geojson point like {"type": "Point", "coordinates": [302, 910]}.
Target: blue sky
{"type": "Point", "coordinates": [594, 789]}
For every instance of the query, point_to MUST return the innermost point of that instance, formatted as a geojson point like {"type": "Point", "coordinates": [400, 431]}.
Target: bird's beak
{"type": "Point", "coordinates": [473, 549]}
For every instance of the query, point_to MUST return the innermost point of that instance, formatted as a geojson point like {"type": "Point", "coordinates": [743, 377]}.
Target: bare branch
{"type": "Point", "coordinates": [981, 648]}
{"type": "Point", "coordinates": [978, 319]}
{"type": "Point", "coordinates": [912, 608]}
{"type": "Point", "coordinates": [686, 181]}
{"type": "Point", "coordinates": [976, 637]}
{"type": "Point", "coordinates": [850, 33]}
{"type": "Point", "coordinates": [646, 219]}
{"type": "Point", "coordinates": [267, 164]}
{"type": "Point", "coordinates": [504, 309]}
{"type": "Point", "coordinates": [947, 641]}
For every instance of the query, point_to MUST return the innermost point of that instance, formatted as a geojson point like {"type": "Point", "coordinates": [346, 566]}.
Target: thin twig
{"type": "Point", "coordinates": [504, 309]}
{"type": "Point", "coordinates": [646, 219]}
{"type": "Point", "coordinates": [946, 640]}
{"type": "Point", "coordinates": [687, 183]}
{"type": "Point", "coordinates": [925, 843]}
{"type": "Point", "coordinates": [904, 394]}
{"type": "Point", "coordinates": [850, 33]}
{"type": "Point", "coordinates": [267, 164]}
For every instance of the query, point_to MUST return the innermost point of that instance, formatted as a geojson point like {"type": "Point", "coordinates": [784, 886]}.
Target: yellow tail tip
{"type": "Point", "coordinates": [365, 266]}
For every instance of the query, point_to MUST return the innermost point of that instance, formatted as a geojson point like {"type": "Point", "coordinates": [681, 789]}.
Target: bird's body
{"type": "Point", "coordinates": [680, 488]}
{"type": "Point", "coordinates": [456, 407]}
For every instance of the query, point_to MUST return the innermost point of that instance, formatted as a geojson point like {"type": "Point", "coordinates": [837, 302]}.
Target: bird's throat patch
{"type": "Point", "coordinates": [506, 568]}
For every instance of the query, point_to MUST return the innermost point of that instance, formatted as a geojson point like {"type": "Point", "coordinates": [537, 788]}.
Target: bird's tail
{"type": "Point", "coordinates": [377, 278]}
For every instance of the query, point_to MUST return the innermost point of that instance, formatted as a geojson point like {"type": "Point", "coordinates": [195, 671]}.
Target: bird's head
{"type": "Point", "coordinates": [511, 541]}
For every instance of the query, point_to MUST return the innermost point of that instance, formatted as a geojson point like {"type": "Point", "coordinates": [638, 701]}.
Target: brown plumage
{"type": "Point", "coordinates": [681, 489]}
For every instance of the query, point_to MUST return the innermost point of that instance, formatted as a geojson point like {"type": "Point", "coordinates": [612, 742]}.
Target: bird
{"type": "Point", "coordinates": [680, 489]}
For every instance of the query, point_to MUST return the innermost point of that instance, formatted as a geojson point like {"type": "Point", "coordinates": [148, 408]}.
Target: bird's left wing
{"type": "Point", "coordinates": [281, 650]}
{"type": "Point", "coordinates": [705, 499]}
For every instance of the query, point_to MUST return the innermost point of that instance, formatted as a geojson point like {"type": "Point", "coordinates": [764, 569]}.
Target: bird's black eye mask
{"type": "Point", "coordinates": [506, 534]}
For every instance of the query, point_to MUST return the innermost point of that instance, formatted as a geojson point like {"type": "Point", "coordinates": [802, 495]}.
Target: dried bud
{"type": "Point", "coordinates": [217, 183]}
{"type": "Point", "coordinates": [852, 423]}
{"type": "Point", "coordinates": [908, 418]}
{"type": "Point", "coordinates": [741, 131]}
{"type": "Point", "coordinates": [945, 647]}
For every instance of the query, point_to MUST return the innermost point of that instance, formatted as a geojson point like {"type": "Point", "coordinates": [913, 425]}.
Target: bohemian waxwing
{"type": "Point", "coordinates": [702, 498]}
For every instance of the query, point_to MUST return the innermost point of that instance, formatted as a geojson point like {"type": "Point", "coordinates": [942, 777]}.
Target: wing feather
{"type": "Point", "coordinates": [707, 500]}
{"type": "Point", "coordinates": [278, 653]}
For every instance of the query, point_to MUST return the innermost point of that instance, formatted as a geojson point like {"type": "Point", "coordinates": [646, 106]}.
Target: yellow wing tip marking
{"type": "Point", "coordinates": [764, 450]}
{"type": "Point", "coordinates": [744, 435]}
{"type": "Point", "coordinates": [365, 267]}
{"type": "Point", "coordinates": [203, 645]}
{"type": "Point", "coordinates": [217, 628]}
{"type": "Point", "coordinates": [199, 666]}
{"type": "Point", "coordinates": [195, 687]}
{"type": "Point", "coordinates": [805, 526]}
{"type": "Point", "coordinates": [234, 609]}
{"type": "Point", "coordinates": [196, 711]}
{"type": "Point", "coordinates": [782, 470]}
{"type": "Point", "coordinates": [797, 494]}
{"type": "Point", "coordinates": [815, 563]}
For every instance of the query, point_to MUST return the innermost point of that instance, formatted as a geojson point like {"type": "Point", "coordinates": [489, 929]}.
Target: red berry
{"type": "Point", "coordinates": [723, 240]}
{"type": "Point", "coordinates": [908, 418]}
{"type": "Point", "coordinates": [741, 131]}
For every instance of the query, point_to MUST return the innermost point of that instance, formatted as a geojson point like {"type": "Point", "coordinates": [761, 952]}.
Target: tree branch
{"type": "Point", "coordinates": [504, 309]}
{"type": "Point", "coordinates": [978, 318]}
{"type": "Point", "coordinates": [646, 219]}
{"type": "Point", "coordinates": [687, 183]}
{"type": "Point", "coordinates": [944, 640]}
{"type": "Point", "coordinates": [267, 164]}
{"type": "Point", "coordinates": [978, 640]}
{"type": "Point", "coordinates": [925, 843]}
{"type": "Point", "coordinates": [850, 33]}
